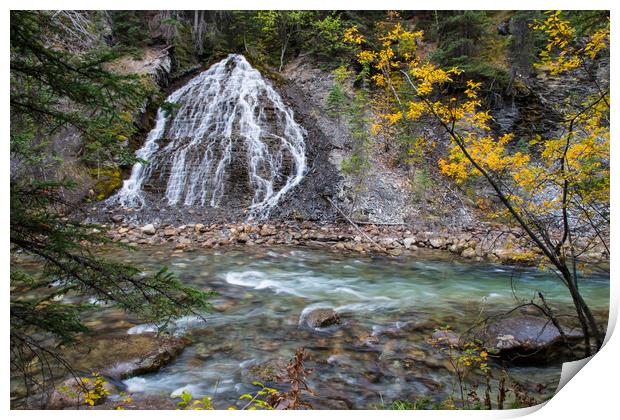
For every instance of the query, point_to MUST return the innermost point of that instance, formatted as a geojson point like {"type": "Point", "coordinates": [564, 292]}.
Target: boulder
{"type": "Point", "coordinates": [148, 229]}
{"type": "Point", "coordinates": [527, 338]}
{"type": "Point", "coordinates": [71, 393]}
{"type": "Point", "coordinates": [120, 357]}
{"type": "Point", "coordinates": [267, 230]}
{"type": "Point", "coordinates": [408, 242]}
{"type": "Point", "coordinates": [468, 253]}
{"type": "Point", "coordinates": [442, 338]}
{"type": "Point", "coordinates": [321, 318]}
{"type": "Point", "coordinates": [270, 371]}
{"type": "Point", "coordinates": [437, 242]}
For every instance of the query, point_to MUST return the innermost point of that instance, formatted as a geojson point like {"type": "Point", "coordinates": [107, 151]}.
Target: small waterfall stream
{"type": "Point", "coordinates": [230, 135]}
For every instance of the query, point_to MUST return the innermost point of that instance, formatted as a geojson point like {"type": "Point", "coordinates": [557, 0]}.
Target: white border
{"type": "Point", "coordinates": [591, 395]}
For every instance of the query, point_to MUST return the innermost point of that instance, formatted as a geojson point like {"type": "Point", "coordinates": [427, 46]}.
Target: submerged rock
{"type": "Point", "coordinates": [445, 338]}
{"type": "Point", "coordinates": [273, 371]}
{"type": "Point", "coordinates": [321, 318]}
{"type": "Point", "coordinates": [528, 338]}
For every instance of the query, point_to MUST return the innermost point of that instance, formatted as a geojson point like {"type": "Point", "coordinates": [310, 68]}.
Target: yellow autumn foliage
{"type": "Point", "coordinates": [533, 178]}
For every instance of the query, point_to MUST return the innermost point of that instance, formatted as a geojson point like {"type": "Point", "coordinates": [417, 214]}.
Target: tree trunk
{"type": "Point", "coordinates": [283, 51]}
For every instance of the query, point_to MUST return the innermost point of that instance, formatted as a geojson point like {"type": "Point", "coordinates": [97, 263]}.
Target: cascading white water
{"type": "Point", "coordinates": [227, 112]}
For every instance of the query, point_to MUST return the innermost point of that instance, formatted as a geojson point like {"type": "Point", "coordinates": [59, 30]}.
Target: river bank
{"type": "Point", "coordinates": [484, 243]}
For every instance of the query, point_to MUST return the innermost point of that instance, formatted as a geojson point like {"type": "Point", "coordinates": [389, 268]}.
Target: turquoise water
{"type": "Point", "coordinates": [389, 307]}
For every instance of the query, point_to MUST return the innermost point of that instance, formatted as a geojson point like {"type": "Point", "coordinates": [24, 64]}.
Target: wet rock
{"type": "Point", "coordinates": [124, 356]}
{"type": "Point", "coordinates": [184, 243]}
{"type": "Point", "coordinates": [71, 393]}
{"type": "Point", "coordinates": [273, 371]}
{"type": "Point", "coordinates": [340, 360]}
{"type": "Point", "coordinates": [223, 306]}
{"type": "Point", "coordinates": [528, 338]}
{"type": "Point", "coordinates": [117, 218]}
{"type": "Point", "coordinates": [427, 385]}
{"type": "Point", "coordinates": [321, 318]}
{"type": "Point", "coordinates": [148, 229]}
{"type": "Point", "coordinates": [445, 338]}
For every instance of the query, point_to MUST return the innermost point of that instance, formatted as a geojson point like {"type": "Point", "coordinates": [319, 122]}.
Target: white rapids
{"type": "Point", "coordinates": [225, 113]}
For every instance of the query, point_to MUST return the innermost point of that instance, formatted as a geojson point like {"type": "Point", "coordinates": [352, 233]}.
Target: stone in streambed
{"type": "Point", "coordinates": [528, 338]}
{"type": "Point", "coordinates": [121, 357]}
{"type": "Point", "coordinates": [445, 338]}
{"type": "Point", "coordinates": [270, 371]}
{"type": "Point", "coordinates": [321, 318]}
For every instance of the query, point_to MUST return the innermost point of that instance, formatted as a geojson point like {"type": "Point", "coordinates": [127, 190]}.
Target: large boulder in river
{"type": "Point", "coordinates": [121, 357]}
{"type": "Point", "coordinates": [529, 339]}
{"type": "Point", "coordinates": [320, 318]}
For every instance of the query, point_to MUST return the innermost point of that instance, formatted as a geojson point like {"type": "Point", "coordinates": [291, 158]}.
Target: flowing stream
{"type": "Point", "coordinates": [226, 132]}
{"type": "Point", "coordinates": [379, 352]}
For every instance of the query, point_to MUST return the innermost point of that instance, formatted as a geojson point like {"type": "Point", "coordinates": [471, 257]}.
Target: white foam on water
{"type": "Point", "coordinates": [192, 389]}
{"type": "Point", "coordinates": [257, 280]}
{"type": "Point", "coordinates": [178, 326]}
{"type": "Point", "coordinates": [142, 328]}
{"type": "Point", "coordinates": [244, 278]}
{"type": "Point", "coordinates": [136, 384]}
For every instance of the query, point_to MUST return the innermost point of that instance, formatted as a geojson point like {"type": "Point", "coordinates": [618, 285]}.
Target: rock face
{"type": "Point", "coordinates": [321, 318]}
{"type": "Point", "coordinates": [528, 339]}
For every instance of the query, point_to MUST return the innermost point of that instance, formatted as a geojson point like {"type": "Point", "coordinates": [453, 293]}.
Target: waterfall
{"type": "Point", "coordinates": [225, 119]}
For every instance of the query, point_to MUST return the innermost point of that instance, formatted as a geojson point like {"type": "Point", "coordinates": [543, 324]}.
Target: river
{"type": "Point", "coordinates": [378, 353]}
